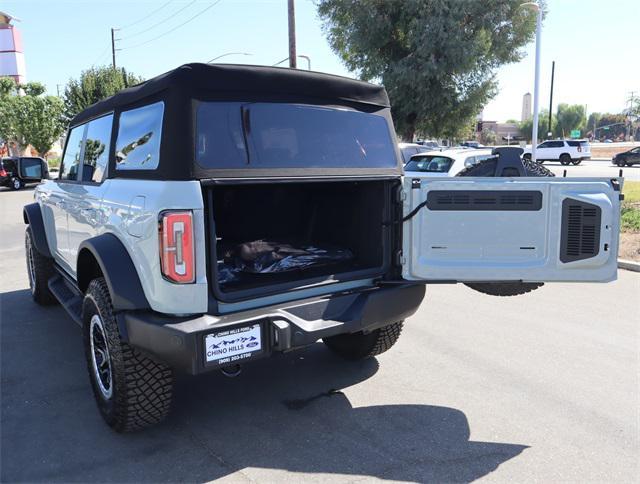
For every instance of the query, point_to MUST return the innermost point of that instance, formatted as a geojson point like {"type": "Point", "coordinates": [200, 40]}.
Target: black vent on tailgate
{"type": "Point", "coordinates": [580, 230]}
{"type": "Point", "coordinates": [498, 200]}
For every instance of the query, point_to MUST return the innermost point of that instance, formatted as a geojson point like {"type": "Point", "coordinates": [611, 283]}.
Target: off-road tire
{"type": "Point", "coordinates": [527, 156]}
{"type": "Point", "coordinates": [39, 271]}
{"type": "Point", "coordinates": [141, 388]}
{"type": "Point", "coordinates": [488, 168]}
{"type": "Point", "coordinates": [565, 159]}
{"type": "Point", "coordinates": [359, 346]}
{"type": "Point", "coordinates": [16, 184]}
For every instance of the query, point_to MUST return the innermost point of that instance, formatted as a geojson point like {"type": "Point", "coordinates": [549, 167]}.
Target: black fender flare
{"type": "Point", "coordinates": [118, 270]}
{"type": "Point", "coordinates": [32, 215]}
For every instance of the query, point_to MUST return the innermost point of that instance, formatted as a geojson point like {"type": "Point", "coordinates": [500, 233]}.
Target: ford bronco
{"type": "Point", "coordinates": [219, 214]}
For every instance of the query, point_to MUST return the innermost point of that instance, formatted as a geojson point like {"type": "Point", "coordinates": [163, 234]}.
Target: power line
{"type": "Point", "coordinates": [175, 28]}
{"type": "Point", "coordinates": [150, 14]}
{"type": "Point", "coordinates": [100, 56]}
{"type": "Point", "coordinates": [161, 21]}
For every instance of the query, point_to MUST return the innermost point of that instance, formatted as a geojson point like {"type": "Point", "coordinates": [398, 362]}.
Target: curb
{"type": "Point", "coordinates": [629, 265]}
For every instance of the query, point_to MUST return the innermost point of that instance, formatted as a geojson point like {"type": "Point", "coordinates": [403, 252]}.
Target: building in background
{"type": "Point", "coordinates": [11, 52]}
{"type": "Point", "coordinates": [506, 133]}
{"type": "Point", "coordinates": [526, 107]}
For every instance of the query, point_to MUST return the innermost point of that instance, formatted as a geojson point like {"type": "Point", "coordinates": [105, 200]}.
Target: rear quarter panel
{"type": "Point", "coordinates": [130, 210]}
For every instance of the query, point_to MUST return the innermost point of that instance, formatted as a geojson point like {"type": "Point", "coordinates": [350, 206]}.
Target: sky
{"type": "Point", "coordinates": [594, 44]}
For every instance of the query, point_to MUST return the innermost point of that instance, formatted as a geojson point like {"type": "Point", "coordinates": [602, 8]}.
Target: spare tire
{"type": "Point", "coordinates": [488, 168]}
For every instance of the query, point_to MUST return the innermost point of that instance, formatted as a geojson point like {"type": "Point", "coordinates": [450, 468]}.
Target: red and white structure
{"type": "Point", "coordinates": [11, 52]}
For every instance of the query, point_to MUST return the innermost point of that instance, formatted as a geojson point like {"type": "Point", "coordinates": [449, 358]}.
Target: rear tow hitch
{"type": "Point", "coordinates": [231, 371]}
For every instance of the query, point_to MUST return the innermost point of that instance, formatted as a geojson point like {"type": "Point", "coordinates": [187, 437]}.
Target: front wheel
{"type": "Point", "coordinates": [359, 346]}
{"type": "Point", "coordinates": [620, 163]}
{"type": "Point", "coordinates": [16, 184]}
{"type": "Point", "coordinates": [527, 157]}
{"type": "Point", "coordinates": [132, 391]}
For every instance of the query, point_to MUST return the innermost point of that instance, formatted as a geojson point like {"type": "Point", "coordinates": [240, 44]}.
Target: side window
{"type": "Point", "coordinates": [96, 149]}
{"type": "Point", "coordinates": [31, 168]}
{"type": "Point", "coordinates": [71, 159]}
{"type": "Point", "coordinates": [546, 144]}
{"type": "Point", "coordinates": [138, 141]}
{"type": "Point", "coordinates": [556, 144]}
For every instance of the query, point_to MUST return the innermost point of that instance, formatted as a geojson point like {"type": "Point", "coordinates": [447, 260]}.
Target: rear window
{"type": "Point", "coordinates": [274, 135]}
{"type": "Point", "coordinates": [433, 164]}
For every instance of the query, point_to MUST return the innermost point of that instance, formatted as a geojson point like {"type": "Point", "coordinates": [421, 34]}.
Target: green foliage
{"type": "Point", "coordinates": [32, 119]}
{"type": "Point", "coordinates": [631, 191]}
{"type": "Point", "coordinates": [606, 119]}
{"type": "Point", "coordinates": [436, 58]}
{"type": "Point", "coordinates": [7, 86]}
{"type": "Point", "coordinates": [526, 127]}
{"type": "Point", "coordinates": [94, 85]}
{"type": "Point", "coordinates": [570, 117]}
{"type": "Point", "coordinates": [33, 88]}
{"type": "Point", "coordinates": [488, 137]}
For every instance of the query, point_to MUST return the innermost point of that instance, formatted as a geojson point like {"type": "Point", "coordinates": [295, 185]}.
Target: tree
{"type": "Point", "coordinates": [526, 127]}
{"type": "Point", "coordinates": [95, 84]}
{"type": "Point", "coordinates": [488, 137]}
{"type": "Point", "coordinates": [436, 58]}
{"type": "Point", "coordinates": [569, 117]}
{"type": "Point", "coordinates": [32, 119]}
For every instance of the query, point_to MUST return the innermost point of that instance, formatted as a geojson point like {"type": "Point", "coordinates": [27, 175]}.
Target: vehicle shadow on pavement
{"type": "Point", "coordinates": [287, 413]}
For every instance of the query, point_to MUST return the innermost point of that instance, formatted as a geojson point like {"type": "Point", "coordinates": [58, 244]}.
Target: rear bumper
{"type": "Point", "coordinates": [179, 342]}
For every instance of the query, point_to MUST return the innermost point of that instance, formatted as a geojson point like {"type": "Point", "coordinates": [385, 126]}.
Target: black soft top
{"type": "Point", "coordinates": [233, 81]}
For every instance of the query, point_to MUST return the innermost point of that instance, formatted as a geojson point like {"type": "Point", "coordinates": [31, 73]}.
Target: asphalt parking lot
{"type": "Point", "coordinates": [539, 388]}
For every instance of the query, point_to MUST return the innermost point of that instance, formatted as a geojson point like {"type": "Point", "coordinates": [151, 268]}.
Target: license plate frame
{"type": "Point", "coordinates": [224, 340]}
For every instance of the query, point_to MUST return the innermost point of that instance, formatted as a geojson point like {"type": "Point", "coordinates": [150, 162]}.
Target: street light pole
{"type": "Point", "coordinates": [228, 53]}
{"type": "Point", "coordinates": [293, 58]}
{"type": "Point", "coordinates": [536, 86]}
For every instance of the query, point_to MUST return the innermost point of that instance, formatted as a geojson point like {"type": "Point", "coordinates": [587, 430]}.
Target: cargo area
{"type": "Point", "coordinates": [270, 238]}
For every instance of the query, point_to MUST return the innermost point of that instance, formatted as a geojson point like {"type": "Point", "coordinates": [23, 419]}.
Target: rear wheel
{"type": "Point", "coordinates": [527, 157]}
{"type": "Point", "coordinates": [132, 391]}
{"type": "Point", "coordinates": [359, 346]}
{"type": "Point", "coordinates": [565, 159]}
{"type": "Point", "coordinates": [40, 270]}
{"type": "Point", "coordinates": [488, 168]}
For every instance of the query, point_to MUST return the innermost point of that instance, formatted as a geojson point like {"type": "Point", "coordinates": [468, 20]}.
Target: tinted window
{"type": "Point", "coordinates": [434, 164]}
{"type": "Point", "coordinates": [96, 149]}
{"type": "Point", "coordinates": [138, 141]}
{"type": "Point", "coordinates": [556, 144]}
{"type": "Point", "coordinates": [578, 143]}
{"type": "Point", "coordinates": [546, 144]}
{"type": "Point", "coordinates": [290, 136]}
{"type": "Point", "coordinates": [71, 159]}
{"type": "Point", "coordinates": [31, 168]}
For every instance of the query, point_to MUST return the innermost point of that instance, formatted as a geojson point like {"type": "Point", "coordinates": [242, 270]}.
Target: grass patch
{"type": "Point", "coordinates": [631, 190]}
{"type": "Point", "coordinates": [630, 217]}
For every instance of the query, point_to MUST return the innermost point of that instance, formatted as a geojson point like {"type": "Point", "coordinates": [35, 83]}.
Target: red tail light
{"type": "Point", "coordinates": [176, 246]}
{"type": "Point", "coordinates": [3, 173]}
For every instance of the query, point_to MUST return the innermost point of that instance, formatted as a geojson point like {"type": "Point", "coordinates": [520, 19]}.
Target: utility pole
{"type": "Point", "coordinates": [553, 70]}
{"type": "Point", "coordinates": [293, 57]}
{"type": "Point", "coordinates": [113, 46]}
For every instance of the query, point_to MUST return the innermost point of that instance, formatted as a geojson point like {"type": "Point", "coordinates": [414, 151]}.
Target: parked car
{"type": "Point", "coordinates": [567, 152]}
{"type": "Point", "coordinates": [407, 150]}
{"type": "Point", "coordinates": [444, 163]}
{"type": "Point", "coordinates": [433, 145]}
{"type": "Point", "coordinates": [16, 172]}
{"type": "Point", "coordinates": [218, 214]}
{"type": "Point", "coordinates": [472, 144]}
{"type": "Point", "coordinates": [628, 158]}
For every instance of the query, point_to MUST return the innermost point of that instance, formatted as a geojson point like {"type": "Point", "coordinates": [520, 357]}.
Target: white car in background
{"type": "Point", "coordinates": [444, 163]}
{"type": "Point", "coordinates": [409, 149]}
{"type": "Point", "coordinates": [565, 151]}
